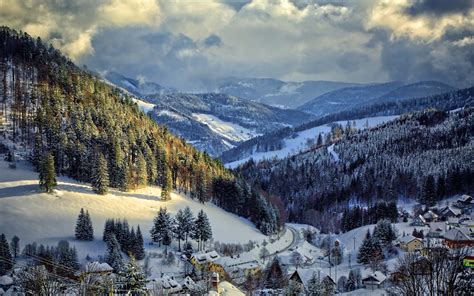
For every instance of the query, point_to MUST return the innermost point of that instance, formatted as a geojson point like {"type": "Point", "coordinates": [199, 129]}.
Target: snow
{"type": "Point", "coordinates": [47, 218]}
{"type": "Point", "coordinates": [144, 106]}
{"type": "Point", "coordinates": [333, 153]}
{"type": "Point", "coordinates": [293, 145]}
{"type": "Point", "coordinates": [171, 114]}
{"type": "Point", "coordinates": [230, 131]}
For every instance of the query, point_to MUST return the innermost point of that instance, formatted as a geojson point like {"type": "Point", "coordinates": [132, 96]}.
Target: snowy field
{"type": "Point", "coordinates": [47, 218]}
{"type": "Point", "coordinates": [294, 145]}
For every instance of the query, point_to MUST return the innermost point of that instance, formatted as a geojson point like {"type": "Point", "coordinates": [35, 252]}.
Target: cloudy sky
{"type": "Point", "coordinates": [188, 44]}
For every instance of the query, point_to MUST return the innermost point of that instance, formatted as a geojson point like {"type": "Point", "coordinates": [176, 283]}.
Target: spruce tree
{"type": "Point", "coordinates": [188, 223]}
{"type": "Point", "coordinates": [142, 174]}
{"type": "Point", "coordinates": [15, 246]}
{"type": "Point", "coordinates": [6, 262]}
{"type": "Point", "coordinates": [100, 175]}
{"type": "Point", "coordinates": [47, 173]}
{"type": "Point", "coordinates": [132, 279]}
{"type": "Point", "coordinates": [162, 224]}
{"type": "Point", "coordinates": [428, 191]}
{"type": "Point", "coordinates": [166, 185]}
{"type": "Point", "coordinates": [363, 256]}
{"type": "Point", "coordinates": [180, 229]}
{"type": "Point", "coordinates": [315, 287]}
{"type": "Point", "coordinates": [139, 247]}
{"type": "Point", "coordinates": [202, 230]}
{"type": "Point", "coordinates": [113, 256]}
{"type": "Point", "coordinates": [84, 229]}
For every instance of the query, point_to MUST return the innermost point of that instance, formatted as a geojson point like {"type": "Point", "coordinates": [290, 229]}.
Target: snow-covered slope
{"type": "Point", "coordinates": [46, 218]}
{"type": "Point", "coordinates": [217, 122]}
{"type": "Point", "coordinates": [301, 141]}
{"type": "Point", "coordinates": [137, 87]}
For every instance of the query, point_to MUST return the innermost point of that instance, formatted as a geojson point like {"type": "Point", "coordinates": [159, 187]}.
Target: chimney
{"type": "Point", "coordinates": [215, 282]}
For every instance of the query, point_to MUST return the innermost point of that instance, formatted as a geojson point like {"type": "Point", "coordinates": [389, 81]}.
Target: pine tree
{"type": "Point", "coordinates": [113, 256]}
{"type": "Point", "coordinates": [109, 229]}
{"type": "Point", "coordinates": [15, 246]}
{"type": "Point", "coordinates": [180, 226]}
{"type": "Point", "coordinates": [84, 229]}
{"type": "Point", "coordinates": [315, 288]}
{"type": "Point", "coordinates": [166, 184]}
{"type": "Point", "coordinates": [6, 262]}
{"type": "Point", "coordinates": [133, 280]}
{"type": "Point", "coordinates": [202, 230]}
{"type": "Point", "coordinates": [188, 225]}
{"type": "Point", "coordinates": [47, 174]}
{"type": "Point", "coordinates": [162, 224]}
{"type": "Point", "coordinates": [100, 175]}
{"type": "Point", "coordinates": [142, 174]}
{"type": "Point", "coordinates": [139, 247]}
{"type": "Point", "coordinates": [384, 232]}
{"type": "Point", "coordinates": [66, 259]}
{"type": "Point", "coordinates": [363, 256]}
{"type": "Point", "coordinates": [274, 275]}
{"type": "Point", "coordinates": [428, 191]}
{"type": "Point", "coordinates": [167, 239]}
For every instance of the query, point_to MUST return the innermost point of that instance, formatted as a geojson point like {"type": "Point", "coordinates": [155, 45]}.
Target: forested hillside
{"type": "Point", "coordinates": [425, 155]}
{"type": "Point", "coordinates": [273, 141]}
{"type": "Point", "coordinates": [50, 107]}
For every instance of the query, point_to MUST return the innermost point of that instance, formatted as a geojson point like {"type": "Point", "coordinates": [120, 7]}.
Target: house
{"type": "Point", "coordinates": [437, 229]}
{"type": "Point", "coordinates": [430, 216]}
{"type": "Point", "coordinates": [188, 285]}
{"type": "Point", "coordinates": [418, 221]}
{"type": "Point", "coordinates": [168, 285]}
{"type": "Point", "coordinates": [457, 238]}
{"type": "Point", "coordinates": [449, 212]}
{"type": "Point", "coordinates": [202, 259]}
{"type": "Point", "coordinates": [432, 245]}
{"type": "Point", "coordinates": [100, 268]}
{"type": "Point", "coordinates": [302, 276]}
{"type": "Point", "coordinates": [373, 281]}
{"type": "Point", "coordinates": [239, 267]}
{"type": "Point", "coordinates": [409, 243]}
{"type": "Point", "coordinates": [453, 221]}
{"type": "Point", "coordinates": [465, 202]}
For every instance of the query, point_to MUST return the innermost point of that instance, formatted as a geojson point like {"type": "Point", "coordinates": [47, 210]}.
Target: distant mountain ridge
{"type": "Point", "coordinates": [353, 97]}
{"type": "Point", "coordinates": [277, 92]}
{"type": "Point", "coordinates": [136, 87]}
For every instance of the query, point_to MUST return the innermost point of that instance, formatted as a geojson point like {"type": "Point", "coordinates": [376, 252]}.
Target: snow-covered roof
{"type": "Point", "coordinates": [376, 276]}
{"type": "Point", "coordinates": [169, 284]}
{"type": "Point", "coordinates": [206, 257]}
{"type": "Point", "coordinates": [421, 218]}
{"type": "Point", "coordinates": [306, 274]}
{"type": "Point", "coordinates": [227, 289]}
{"type": "Point", "coordinates": [430, 215]}
{"type": "Point", "coordinates": [465, 198]}
{"type": "Point", "coordinates": [188, 283]}
{"type": "Point", "coordinates": [6, 280]}
{"type": "Point", "coordinates": [451, 209]}
{"type": "Point", "coordinates": [456, 234]}
{"type": "Point", "coordinates": [238, 260]}
{"type": "Point", "coordinates": [439, 227]}
{"type": "Point", "coordinates": [408, 238]}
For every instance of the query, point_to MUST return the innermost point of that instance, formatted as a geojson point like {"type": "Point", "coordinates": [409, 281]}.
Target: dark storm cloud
{"type": "Point", "coordinates": [212, 40]}
{"type": "Point", "coordinates": [439, 7]}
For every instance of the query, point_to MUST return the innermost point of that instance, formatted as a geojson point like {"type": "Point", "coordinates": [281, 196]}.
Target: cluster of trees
{"type": "Point", "coordinates": [183, 226]}
{"type": "Point", "coordinates": [84, 230]}
{"type": "Point", "coordinates": [61, 259]}
{"type": "Point", "coordinates": [129, 241]}
{"type": "Point", "coordinates": [375, 246]}
{"type": "Point", "coordinates": [236, 196]}
{"type": "Point", "coordinates": [75, 124]}
{"type": "Point", "coordinates": [358, 216]}
{"type": "Point", "coordinates": [383, 163]}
